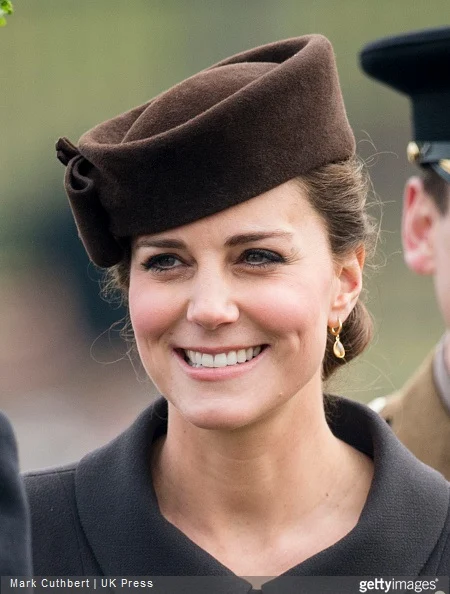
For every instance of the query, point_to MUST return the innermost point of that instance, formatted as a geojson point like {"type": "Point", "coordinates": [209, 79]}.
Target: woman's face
{"type": "Point", "coordinates": [256, 281]}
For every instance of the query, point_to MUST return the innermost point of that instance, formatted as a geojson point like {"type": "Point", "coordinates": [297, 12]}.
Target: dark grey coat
{"type": "Point", "coordinates": [15, 546]}
{"type": "Point", "coordinates": [100, 516]}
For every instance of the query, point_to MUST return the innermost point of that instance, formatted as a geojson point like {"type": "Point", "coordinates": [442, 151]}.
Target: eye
{"type": "Point", "coordinates": [259, 258]}
{"type": "Point", "coordinates": [161, 263]}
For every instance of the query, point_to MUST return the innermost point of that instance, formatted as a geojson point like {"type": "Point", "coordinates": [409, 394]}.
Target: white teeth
{"type": "Point", "coordinates": [220, 360]}
{"type": "Point", "coordinates": [232, 358]}
{"type": "Point", "coordinates": [197, 359]}
{"type": "Point", "coordinates": [242, 356]}
{"type": "Point", "coordinates": [207, 360]}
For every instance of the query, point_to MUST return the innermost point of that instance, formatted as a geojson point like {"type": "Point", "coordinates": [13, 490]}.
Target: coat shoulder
{"type": "Point", "coordinates": [58, 542]}
{"type": "Point", "coordinates": [51, 494]}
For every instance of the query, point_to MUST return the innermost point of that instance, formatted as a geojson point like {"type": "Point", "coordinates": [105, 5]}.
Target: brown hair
{"type": "Point", "coordinates": [338, 191]}
{"type": "Point", "coordinates": [437, 188]}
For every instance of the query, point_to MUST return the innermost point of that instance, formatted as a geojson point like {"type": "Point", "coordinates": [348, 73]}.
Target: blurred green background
{"type": "Point", "coordinates": [68, 65]}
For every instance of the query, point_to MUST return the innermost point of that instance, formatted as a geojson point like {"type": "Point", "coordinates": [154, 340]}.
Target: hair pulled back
{"type": "Point", "coordinates": [338, 192]}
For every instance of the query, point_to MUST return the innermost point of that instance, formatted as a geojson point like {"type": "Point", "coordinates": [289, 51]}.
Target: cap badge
{"type": "Point", "coordinates": [413, 152]}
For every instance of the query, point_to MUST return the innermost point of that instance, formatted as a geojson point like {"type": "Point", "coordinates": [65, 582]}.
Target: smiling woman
{"type": "Point", "coordinates": [258, 276]}
{"type": "Point", "coordinates": [230, 212]}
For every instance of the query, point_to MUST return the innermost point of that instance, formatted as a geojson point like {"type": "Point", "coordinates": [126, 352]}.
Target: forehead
{"type": "Point", "coordinates": [283, 211]}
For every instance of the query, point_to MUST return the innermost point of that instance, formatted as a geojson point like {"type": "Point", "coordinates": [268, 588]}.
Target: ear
{"type": "Point", "coordinates": [348, 287]}
{"type": "Point", "coordinates": [418, 226]}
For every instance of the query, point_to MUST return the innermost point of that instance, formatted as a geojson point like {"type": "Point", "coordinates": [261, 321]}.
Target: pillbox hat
{"type": "Point", "coordinates": [223, 136]}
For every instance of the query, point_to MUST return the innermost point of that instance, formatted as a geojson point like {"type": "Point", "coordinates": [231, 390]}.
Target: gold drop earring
{"type": "Point", "coordinates": [338, 347]}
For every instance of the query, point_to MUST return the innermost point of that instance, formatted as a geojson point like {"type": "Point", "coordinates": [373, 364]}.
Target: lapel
{"type": "Point", "coordinates": [399, 527]}
{"type": "Point", "coordinates": [119, 511]}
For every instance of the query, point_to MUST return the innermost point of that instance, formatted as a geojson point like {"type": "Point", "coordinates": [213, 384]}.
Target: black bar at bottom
{"type": "Point", "coordinates": [224, 585]}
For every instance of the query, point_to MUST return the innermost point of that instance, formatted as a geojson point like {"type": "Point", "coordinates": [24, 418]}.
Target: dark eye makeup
{"type": "Point", "coordinates": [253, 258]}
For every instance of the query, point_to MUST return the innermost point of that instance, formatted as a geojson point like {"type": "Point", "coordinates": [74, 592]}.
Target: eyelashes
{"type": "Point", "coordinates": [254, 258]}
{"type": "Point", "coordinates": [160, 263]}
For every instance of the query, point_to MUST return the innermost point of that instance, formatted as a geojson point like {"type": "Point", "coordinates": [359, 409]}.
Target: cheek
{"type": "Point", "coordinates": [152, 311]}
{"type": "Point", "coordinates": [290, 309]}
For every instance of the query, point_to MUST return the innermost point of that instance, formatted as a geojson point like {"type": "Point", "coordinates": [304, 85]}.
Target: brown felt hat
{"type": "Point", "coordinates": [223, 136]}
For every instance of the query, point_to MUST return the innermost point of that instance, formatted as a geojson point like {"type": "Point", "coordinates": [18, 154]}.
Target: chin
{"type": "Point", "coordinates": [218, 414]}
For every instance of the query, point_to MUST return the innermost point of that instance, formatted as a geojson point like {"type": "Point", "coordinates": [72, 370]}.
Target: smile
{"type": "Point", "coordinates": [218, 364]}
{"type": "Point", "coordinates": [224, 359]}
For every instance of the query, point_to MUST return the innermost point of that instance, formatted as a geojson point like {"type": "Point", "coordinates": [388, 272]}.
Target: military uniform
{"type": "Point", "coordinates": [419, 414]}
{"type": "Point", "coordinates": [418, 65]}
{"type": "Point", "coordinates": [15, 554]}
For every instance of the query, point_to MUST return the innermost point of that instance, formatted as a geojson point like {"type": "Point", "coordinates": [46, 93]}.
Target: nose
{"type": "Point", "coordinates": [211, 303]}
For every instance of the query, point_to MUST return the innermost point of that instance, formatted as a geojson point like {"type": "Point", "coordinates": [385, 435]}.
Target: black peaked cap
{"type": "Point", "coordinates": [418, 65]}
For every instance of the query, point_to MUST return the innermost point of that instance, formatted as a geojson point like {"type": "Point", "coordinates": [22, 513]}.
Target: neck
{"type": "Point", "coordinates": [264, 476]}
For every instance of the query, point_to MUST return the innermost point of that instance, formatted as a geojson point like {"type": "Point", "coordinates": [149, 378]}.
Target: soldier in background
{"type": "Point", "coordinates": [418, 64]}
{"type": "Point", "coordinates": [15, 553]}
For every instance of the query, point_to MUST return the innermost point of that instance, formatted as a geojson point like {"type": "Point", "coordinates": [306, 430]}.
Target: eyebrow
{"type": "Point", "coordinates": [231, 241]}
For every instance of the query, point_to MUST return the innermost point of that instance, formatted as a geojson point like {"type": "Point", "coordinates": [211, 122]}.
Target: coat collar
{"type": "Point", "coordinates": [441, 373]}
{"type": "Point", "coordinates": [398, 529]}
